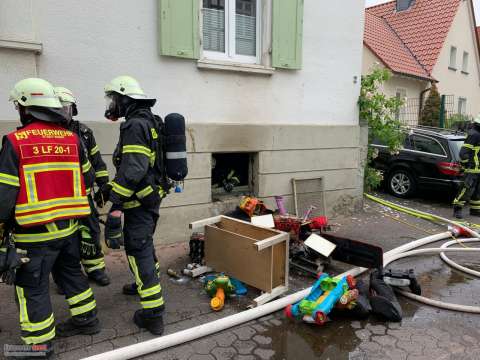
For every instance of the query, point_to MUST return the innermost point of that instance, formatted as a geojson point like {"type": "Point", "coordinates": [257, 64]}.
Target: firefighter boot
{"type": "Point", "coordinates": [457, 212]}
{"type": "Point", "coordinates": [149, 320]}
{"type": "Point", "coordinates": [100, 277]}
{"type": "Point", "coordinates": [383, 300]}
{"type": "Point", "coordinates": [130, 289]}
{"type": "Point", "coordinates": [75, 326]}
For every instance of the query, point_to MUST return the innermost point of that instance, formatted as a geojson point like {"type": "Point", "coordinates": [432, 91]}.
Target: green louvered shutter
{"type": "Point", "coordinates": [287, 34]}
{"type": "Point", "coordinates": [179, 28]}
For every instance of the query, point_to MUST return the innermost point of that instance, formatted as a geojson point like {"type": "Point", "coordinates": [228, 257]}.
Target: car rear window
{"type": "Point", "coordinates": [426, 144]}
{"type": "Point", "coordinates": [456, 145]}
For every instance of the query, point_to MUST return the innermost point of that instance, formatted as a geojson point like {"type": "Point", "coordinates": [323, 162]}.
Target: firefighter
{"type": "Point", "coordinates": [136, 192]}
{"type": "Point", "coordinates": [42, 192]}
{"type": "Point", "coordinates": [470, 161]}
{"type": "Point", "coordinates": [92, 257]}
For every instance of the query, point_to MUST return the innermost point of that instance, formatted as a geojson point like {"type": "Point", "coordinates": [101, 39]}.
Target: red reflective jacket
{"type": "Point", "coordinates": [51, 182]}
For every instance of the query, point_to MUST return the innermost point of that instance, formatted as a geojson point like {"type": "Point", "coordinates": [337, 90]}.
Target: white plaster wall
{"type": "Point", "coordinates": [88, 43]}
{"type": "Point", "coordinates": [461, 36]}
{"type": "Point", "coordinates": [16, 21]}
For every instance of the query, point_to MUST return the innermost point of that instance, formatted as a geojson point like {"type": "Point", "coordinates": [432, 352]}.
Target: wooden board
{"type": "Point", "coordinates": [246, 229]}
{"type": "Point", "coordinates": [278, 263]}
{"type": "Point", "coordinates": [237, 256]}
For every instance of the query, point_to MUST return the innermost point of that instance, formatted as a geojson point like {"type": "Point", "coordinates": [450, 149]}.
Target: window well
{"type": "Point", "coordinates": [232, 173]}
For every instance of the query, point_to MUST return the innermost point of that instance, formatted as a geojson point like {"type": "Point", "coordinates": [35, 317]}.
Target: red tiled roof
{"type": "Point", "coordinates": [423, 28]}
{"type": "Point", "coordinates": [380, 38]}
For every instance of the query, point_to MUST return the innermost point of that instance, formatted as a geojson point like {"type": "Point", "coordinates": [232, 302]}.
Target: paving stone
{"type": "Point", "coordinates": [396, 354]}
{"type": "Point", "coordinates": [363, 334]}
{"type": "Point", "coordinates": [244, 357]}
{"type": "Point", "coordinates": [244, 333]}
{"type": "Point", "coordinates": [259, 328]}
{"type": "Point", "coordinates": [356, 325]}
{"type": "Point", "coordinates": [376, 329]}
{"type": "Point", "coordinates": [225, 338]}
{"type": "Point", "coordinates": [183, 352]}
{"type": "Point", "coordinates": [124, 341]}
{"type": "Point", "coordinates": [99, 348]}
{"type": "Point", "coordinates": [224, 353]}
{"type": "Point", "coordinates": [262, 340]}
{"type": "Point", "coordinates": [386, 340]}
{"type": "Point", "coordinates": [276, 322]}
{"type": "Point", "coordinates": [265, 318]}
{"type": "Point", "coordinates": [264, 354]}
{"type": "Point", "coordinates": [203, 346]}
{"type": "Point", "coordinates": [410, 347]}
{"type": "Point", "coordinates": [244, 347]}
{"type": "Point", "coordinates": [403, 335]}
{"type": "Point", "coordinates": [370, 346]}
{"type": "Point", "coordinates": [201, 357]}
{"type": "Point", "coordinates": [105, 334]}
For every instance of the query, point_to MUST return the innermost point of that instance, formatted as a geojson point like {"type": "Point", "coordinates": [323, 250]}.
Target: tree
{"type": "Point", "coordinates": [430, 115]}
{"type": "Point", "coordinates": [378, 111]}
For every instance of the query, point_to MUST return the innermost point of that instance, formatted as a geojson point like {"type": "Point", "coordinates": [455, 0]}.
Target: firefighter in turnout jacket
{"type": "Point", "coordinates": [470, 161]}
{"type": "Point", "coordinates": [90, 248]}
{"type": "Point", "coordinates": [43, 173]}
{"type": "Point", "coordinates": [136, 192]}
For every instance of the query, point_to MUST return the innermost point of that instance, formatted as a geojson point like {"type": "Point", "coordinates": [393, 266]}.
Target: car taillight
{"type": "Point", "coordinates": [449, 168]}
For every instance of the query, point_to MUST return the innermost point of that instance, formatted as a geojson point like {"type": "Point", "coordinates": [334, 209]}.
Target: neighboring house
{"type": "Point", "coordinates": [268, 87]}
{"type": "Point", "coordinates": [422, 41]}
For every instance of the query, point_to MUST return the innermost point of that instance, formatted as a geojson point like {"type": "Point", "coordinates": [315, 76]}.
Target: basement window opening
{"type": "Point", "coordinates": [232, 174]}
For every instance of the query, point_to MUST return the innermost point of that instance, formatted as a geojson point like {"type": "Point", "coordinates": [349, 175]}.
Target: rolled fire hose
{"type": "Point", "coordinates": [213, 327]}
{"type": "Point", "coordinates": [454, 264]}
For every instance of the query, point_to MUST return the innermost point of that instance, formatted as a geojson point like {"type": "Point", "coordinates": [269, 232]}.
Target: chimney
{"type": "Point", "coordinates": [403, 5]}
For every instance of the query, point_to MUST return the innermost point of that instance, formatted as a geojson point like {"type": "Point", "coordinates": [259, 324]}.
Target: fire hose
{"type": "Point", "coordinates": [213, 327]}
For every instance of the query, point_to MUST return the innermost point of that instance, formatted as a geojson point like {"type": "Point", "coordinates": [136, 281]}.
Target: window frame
{"type": "Point", "coordinates": [465, 62]}
{"type": "Point", "coordinates": [230, 38]}
{"type": "Point", "coordinates": [453, 58]}
{"type": "Point", "coordinates": [462, 110]}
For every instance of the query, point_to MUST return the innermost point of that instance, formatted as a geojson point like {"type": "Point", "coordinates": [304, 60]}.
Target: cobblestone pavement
{"type": "Point", "coordinates": [424, 333]}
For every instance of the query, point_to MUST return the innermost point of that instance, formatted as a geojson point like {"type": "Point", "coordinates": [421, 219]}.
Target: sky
{"type": "Point", "coordinates": [476, 3]}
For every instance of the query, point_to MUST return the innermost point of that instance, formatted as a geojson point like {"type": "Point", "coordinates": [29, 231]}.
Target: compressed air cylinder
{"type": "Point", "coordinates": [176, 147]}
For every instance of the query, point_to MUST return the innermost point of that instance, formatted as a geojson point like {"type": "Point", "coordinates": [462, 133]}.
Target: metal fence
{"type": "Point", "coordinates": [410, 112]}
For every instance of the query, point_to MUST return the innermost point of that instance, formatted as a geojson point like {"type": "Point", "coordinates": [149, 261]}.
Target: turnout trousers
{"type": "Point", "coordinates": [139, 226]}
{"type": "Point", "coordinates": [60, 257]}
{"type": "Point", "coordinates": [91, 253]}
{"type": "Point", "coordinates": [469, 193]}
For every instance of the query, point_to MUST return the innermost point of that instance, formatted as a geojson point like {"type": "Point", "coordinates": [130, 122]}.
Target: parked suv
{"type": "Point", "coordinates": [429, 159]}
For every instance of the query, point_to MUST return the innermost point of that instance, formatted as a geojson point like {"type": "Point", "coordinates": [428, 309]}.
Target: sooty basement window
{"type": "Point", "coordinates": [232, 173]}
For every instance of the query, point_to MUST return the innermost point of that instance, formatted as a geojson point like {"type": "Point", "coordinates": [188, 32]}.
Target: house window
{"type": "Point", "coordinates": [401, 94]}
{"type": "Point", "coordinates": [462, 105]}
{"type": "Point", "coordinates": [465, 63]}
{"type": "Point", "coordinates": [453, 58]}
{"type": "Point", "coordinates": [232, 173]}
{"type": "Point", "coordinates": [231, 30]}
{"type": "Point", "coordinates": [403, 5]}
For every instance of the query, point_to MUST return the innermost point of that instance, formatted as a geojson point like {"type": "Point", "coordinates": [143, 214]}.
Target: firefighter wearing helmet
{"type": "Point", "coordinates": [44, 173]}
{"type": "Point", "coordinates": [92, 257]}
{"type": "Point", "coordinates": [470, 162]}
{"type": "Point", "coordinates": [136, 192]}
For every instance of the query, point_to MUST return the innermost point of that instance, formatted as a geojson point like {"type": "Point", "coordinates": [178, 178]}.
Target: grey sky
{"type": "Point", "coordinates": [475, 2]}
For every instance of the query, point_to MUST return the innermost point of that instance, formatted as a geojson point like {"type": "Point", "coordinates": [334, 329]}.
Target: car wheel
{"type": "Point", "coordinates": [401, 183]}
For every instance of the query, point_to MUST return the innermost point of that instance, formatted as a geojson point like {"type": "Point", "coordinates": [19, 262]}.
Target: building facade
{"type": "Point", "coordinates": [274, 80]}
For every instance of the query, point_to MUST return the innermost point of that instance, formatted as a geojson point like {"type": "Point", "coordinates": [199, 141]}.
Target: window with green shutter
{"type": "Point", "coordinates": [232, 31]}
{"type": "Point", "coordinates": [179, 28]}
{"type": "Point", "coordinates": [287, 34]}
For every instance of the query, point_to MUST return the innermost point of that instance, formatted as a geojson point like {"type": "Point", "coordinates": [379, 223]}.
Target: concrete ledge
{"type": "Point", "coordinates": [26, 45]}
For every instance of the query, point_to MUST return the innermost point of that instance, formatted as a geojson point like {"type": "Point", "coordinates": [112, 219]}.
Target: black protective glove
{"type": "Point", "coordinates": [102, 195]}
{"type": "Point", "coordinates": [10, 260]}
{"type": "Point", "coordinates": [114, 232]}
{"type": "Point", "coordinates": [88, 246]}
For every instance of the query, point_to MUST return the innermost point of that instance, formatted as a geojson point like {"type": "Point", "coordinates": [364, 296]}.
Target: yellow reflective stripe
{"type": "Point", "coordinates": [32, 340]}
{"type": "Point", "coordinates": [86, 166]}
{"type": "Point", "coordinates": [51, 227]}
{"type": "Point", "coordinates": [9, 179]}
{"type": "Point", "coordinates": [52, 214]}
{"type": "Point", "coordinates": [468, 146]}
{"type": "Point", "coordinates": [88, 191]}
{"type": "Point", "coordinates": [101, 173]}
{"type": "Point", "coordinates": [475, 202]}
{"type": "Point", "coordinates": [145, 192]}
{"type": "Point", "coordinates": [136, 149]}
{"type": "Point", "coordinates": [23, 238]}
{"type": "Point", "coordinates": [464, 161]}
{"type": "Point", "coordinates": [22, 302]}
{"type": "Point", "coordinates": [84, 308]}
{"type": "Point", "coordinates": [121, 190]}
{"type": "Point", "coordinates": [94, 150]}
{"type": "Point", "coordinates": [82, 296]}
{"type": "Point", "coordinates": [92, 261]}
{"type": "Point", "coordinates": [161, 192]}
{"type": "Point", "coordinates": [472, 171]}
{"type": "Point", "coordinates": [131, 204]}
{"type": "Point", "coordinates": [134, 267]}
{"type": "Point", "coordinates": [31, 327]}
{"type": "Point", "coordinates": [93, 268]}
{"type": "Point", "coordinates": [152, 303]}
{"type": "Point", "coordinates": [31, 188]}
{"type": "Point", "coordinates": [150, 291]}
{"type": "Point", "coordinates": [51, 166]}
{"type": "Point", "coordinates": [45, 204]}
